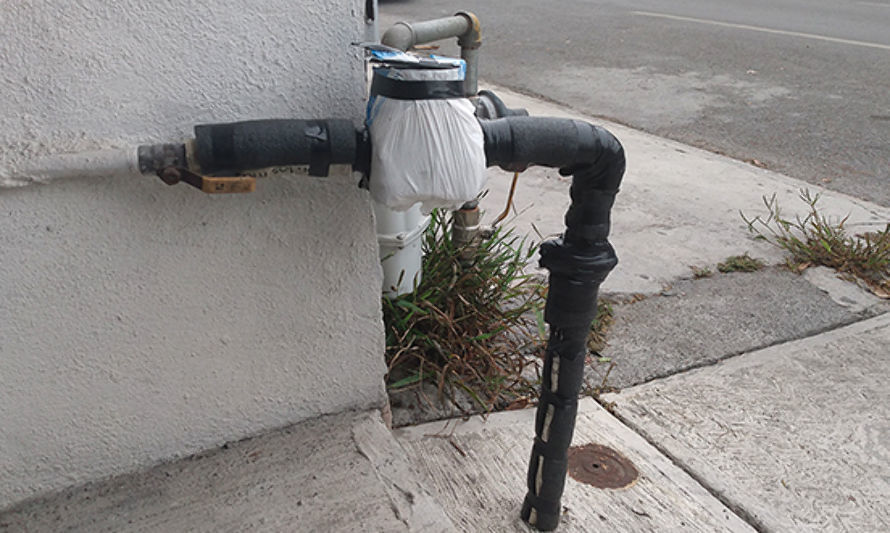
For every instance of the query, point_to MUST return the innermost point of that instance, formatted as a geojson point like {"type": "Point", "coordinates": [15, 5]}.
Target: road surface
{"type": "Point", "coordinates": [798, 86]}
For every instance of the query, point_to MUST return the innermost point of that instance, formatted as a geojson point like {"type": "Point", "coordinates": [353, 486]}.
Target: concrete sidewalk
{"type": "Point", "coordinates": [795, 437]}
{"type": "Point", "coordinates": [784, 428]}
{"type": "Point", "coordinates": [337, 473]}
{"type": "Point", "coordinates": [789, 438]}
{"type": "Point", "coordinates": [476, 471]}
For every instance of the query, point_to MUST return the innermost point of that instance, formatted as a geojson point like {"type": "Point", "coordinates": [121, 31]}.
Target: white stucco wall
{"type": "Point", "coordinates": [140, 322]}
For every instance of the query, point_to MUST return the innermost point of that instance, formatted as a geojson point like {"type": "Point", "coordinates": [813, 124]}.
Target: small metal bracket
{"type": "Point", "coordinates": [208, 184]}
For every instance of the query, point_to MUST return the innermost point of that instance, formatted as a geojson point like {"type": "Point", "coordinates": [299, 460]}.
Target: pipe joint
{"type": "Point", "coordinates": [590, 154]}
{"type": "Point", "coordinates": [582, 263]}
{"type": "Point", "coordinates": [400, 35]}
{"type": "Point", "coordinates": [472, 38]}
{"type": "Point", "coordinates": [490, 106]}
{"type": "Point", "coordinates": [155, 157]}
{"type": "Point", "coordinates": [576, 273]}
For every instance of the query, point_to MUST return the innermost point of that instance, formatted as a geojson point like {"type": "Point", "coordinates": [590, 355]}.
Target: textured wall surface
{"type": "Point", "coordinates": [140, 322]}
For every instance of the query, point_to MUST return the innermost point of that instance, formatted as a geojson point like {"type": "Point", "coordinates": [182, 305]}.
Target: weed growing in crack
{"type": "Point", "coordinates": [474, 325]}
{"type": "Point", "coordinates": [701, 272]}
{"type": "Point", "coordinates": [817, 239]}
{"type": "Point", "coordinates": [740, 263]}
{"type": "Point", "coordinates": [605, 316]}
{"type": "Point", "coordinates": [596, 342]}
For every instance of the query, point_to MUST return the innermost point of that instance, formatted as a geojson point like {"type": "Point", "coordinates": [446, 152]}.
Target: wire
{"type": "Point", "coordinates": [503, 215]}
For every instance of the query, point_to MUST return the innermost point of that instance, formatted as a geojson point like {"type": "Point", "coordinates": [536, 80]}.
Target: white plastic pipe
{"type": "Point", "coordinates": [95, 164]}
{"type": "Point", "coordinates": [399, 234]}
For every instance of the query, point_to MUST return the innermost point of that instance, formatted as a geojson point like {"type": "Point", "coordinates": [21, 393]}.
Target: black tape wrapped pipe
{"type": "Point", "coordinates": [578, 262]}
{"type": "Point", "coordinates": [257, 144]}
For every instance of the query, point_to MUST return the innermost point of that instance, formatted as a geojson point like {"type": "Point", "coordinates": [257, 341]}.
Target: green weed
{"type": "Point", "coordinates": [740, 263]}
{"type": "Point", "coordinates": [817, 239]}
{"type": "Point", "coordinates": [468, 324]}
{"type": "Point", "coordinates": [701, 272]}
{"type": "Point", "coordinates": [605, 316]}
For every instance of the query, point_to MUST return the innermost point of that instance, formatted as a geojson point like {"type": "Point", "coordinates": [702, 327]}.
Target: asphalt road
{"type": "Point", "coordinates": [800, 86]}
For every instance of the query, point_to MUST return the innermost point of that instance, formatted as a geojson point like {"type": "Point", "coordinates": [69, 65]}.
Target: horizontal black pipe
{"type": "Point", "coordinates": [257, 144]}
{"type": "Point", "coordinates": [578, 262]}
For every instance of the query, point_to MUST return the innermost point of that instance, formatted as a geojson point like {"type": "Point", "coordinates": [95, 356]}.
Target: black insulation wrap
{"type": "Point", "coordinates": [578, 262]}
{"type": "Point", "coordinates": [589, 153]}
{"type": "Point", "coordinates": [254, 144]}
{"type": "Point", "coordinates": [549, 457]}
{"type": "Point", "coordinates": [416, 90]}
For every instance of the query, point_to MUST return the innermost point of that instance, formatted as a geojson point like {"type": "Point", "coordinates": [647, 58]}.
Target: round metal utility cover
{"type": "Point", "coordinates": [600, 466]}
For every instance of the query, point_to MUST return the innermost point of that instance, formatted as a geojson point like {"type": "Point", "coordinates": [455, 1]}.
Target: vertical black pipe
{"type": "Point", "coordinates": [578, 263]}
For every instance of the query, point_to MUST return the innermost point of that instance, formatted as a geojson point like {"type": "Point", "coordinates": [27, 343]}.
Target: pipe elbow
{"type": "Point", "coordinates": [601, 159]}
{"type": "Point", "coordinates": [590, 154]}
{"type": "Point", "coordinates": [400, 35]}
{"type": "Point", "coordinates": [596, 179]}
{"type": "Point", "coordinates": [472, 38]}
{"type": "Point", "coordinates": [567, 144]}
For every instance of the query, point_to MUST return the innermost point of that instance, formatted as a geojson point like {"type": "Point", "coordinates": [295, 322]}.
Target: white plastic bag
{"type": "Point", "coordinates": [427, 150]}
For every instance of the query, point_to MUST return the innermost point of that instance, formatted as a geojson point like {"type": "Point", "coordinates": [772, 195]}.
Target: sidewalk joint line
{"type": "Point", "coordinates": [733, 507]}
{"type": "Point", "coordinates": [733, 355]}
{"type": "Point", "coordinates": [736, 508]}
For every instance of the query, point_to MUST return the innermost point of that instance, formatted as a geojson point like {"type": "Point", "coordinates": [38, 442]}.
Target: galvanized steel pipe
{"type": "Point", "coordinates": [463, 25]}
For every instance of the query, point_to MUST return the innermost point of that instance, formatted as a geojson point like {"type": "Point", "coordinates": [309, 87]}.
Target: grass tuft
{"type": "Point", "coordinates": [472, 325]}
{"type": "Point", "coordinates": [740, 263]}
{"type": "Point", "coordinates": [701, 272]}
{"type": "Point", "coordinates": [817, 239]}
{"type": "Point", "coordinates": [605, 317]}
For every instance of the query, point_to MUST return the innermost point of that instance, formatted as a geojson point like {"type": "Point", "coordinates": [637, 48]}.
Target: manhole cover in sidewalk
{"type": "Point", "coordinates": [600, 466]}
